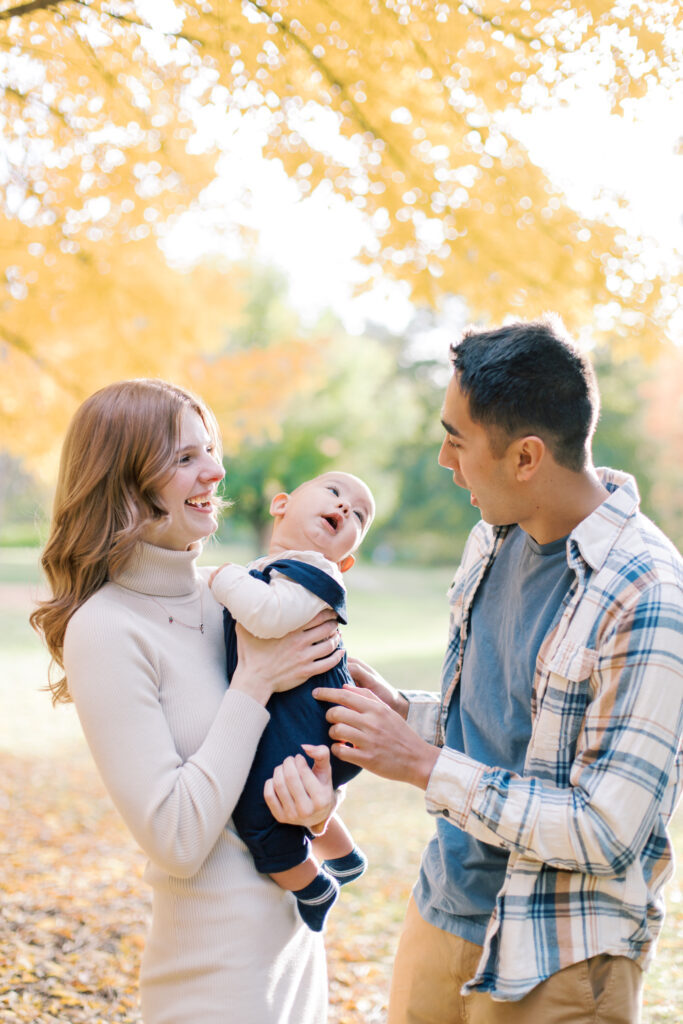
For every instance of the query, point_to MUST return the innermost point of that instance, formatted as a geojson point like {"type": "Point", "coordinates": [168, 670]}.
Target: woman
{"type": "Point", "coordinates": [139, 638]}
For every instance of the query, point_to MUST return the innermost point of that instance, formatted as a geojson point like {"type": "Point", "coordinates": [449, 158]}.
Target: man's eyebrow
{"type": "Point", "coordinates": [453, 431]}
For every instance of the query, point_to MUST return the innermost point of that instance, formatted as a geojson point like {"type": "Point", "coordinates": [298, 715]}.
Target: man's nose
{"type": "Point", "coordinates": [446, 457]}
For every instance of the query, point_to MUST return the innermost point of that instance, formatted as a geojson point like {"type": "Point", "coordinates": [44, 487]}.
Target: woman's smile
{"type": "Point", "coordinates": [191, 513]}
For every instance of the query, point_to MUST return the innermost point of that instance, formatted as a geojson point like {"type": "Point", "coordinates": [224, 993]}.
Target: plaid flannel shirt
{"type": "Point", "coordinates": [586, 823]}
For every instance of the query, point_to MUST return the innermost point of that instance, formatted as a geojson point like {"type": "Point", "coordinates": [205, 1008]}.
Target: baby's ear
{"type": "Point", "coordinates": [279, 504]}
{"type": "Point", "coordinates": [346, 563]}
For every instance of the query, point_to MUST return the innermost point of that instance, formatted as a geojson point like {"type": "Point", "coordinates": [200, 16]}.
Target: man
{"type": "Point", "coordinates": [552, 760]}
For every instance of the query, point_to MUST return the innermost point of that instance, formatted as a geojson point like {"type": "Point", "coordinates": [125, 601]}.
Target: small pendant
{"type": "Point", "coordinates": [170, 618]}
{"type": "Point", "coordinates": [201, 627]}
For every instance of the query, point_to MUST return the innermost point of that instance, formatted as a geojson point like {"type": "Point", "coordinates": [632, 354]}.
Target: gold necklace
{"type": "Point", "coordinates": [172, 618]}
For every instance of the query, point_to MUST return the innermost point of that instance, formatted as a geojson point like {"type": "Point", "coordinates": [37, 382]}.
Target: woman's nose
{"type": "Point", "coordinates": [214, 470]}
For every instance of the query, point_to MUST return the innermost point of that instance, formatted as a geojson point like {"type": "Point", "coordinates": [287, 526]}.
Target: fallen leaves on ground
{"type": "Point", "coordinates": [75, 909]}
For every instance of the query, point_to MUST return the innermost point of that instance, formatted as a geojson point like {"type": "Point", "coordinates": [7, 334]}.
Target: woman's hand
{"type": "Point", "coordinates": [300, 795]}
{"type": "Point", "coordinates": [368, 679]}
{"type": "Point", "coordinates": [265, 667]}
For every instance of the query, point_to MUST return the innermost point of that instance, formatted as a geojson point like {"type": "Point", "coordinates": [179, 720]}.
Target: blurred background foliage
{"type": "Point", "coordinates": [371, 404]}
{"type": "Point", "coordinates": [121, 119]}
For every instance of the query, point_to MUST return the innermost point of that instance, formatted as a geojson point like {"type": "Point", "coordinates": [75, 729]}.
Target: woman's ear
{"type": "Point", "coordinates": [279, 504]}
{"type": "Point", "coordinates": [346, 563]}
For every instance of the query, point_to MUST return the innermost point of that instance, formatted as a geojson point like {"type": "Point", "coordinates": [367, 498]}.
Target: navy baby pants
{"type": "Point", "coordinates": [295, 718]}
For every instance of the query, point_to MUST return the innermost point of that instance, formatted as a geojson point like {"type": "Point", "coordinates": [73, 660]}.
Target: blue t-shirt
{"type": "Point", "coordinates": [490, 720]}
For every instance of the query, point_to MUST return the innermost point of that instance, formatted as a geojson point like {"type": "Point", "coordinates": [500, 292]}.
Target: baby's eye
{"type": "Point", "coordinates": [335, 490]}
{"type": "Point", "coordinates": [360, 516]}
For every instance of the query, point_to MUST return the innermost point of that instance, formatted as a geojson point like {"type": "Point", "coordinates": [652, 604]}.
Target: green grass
{"type": "Point", "coordinates": [398, 623]}
{"type": "Point", "coordinates": [20, 565]}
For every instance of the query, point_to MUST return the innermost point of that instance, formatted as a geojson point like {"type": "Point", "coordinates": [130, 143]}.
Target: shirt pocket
{"type": "Point", "coordinates": [564, 686]}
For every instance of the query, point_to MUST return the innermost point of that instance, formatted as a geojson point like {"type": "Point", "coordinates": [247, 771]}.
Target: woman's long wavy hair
{"type": "Point", "coordinates": [118, 451]}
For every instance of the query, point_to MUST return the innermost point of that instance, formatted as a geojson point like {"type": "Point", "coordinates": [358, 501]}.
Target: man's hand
{"type": "Point", "coordinates": [380, 739]}
{"type": "Point", "coordinates": [369, 679]}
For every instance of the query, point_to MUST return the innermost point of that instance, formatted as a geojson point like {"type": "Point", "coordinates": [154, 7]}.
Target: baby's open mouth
{"type": "Point", "coordinates": [333, 520]}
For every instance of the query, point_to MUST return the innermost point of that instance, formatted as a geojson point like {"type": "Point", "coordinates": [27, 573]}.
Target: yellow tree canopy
{"type": "Point", "coordinates": [131, 315]}
{"type": "Point", "coordinates": [399, 105]}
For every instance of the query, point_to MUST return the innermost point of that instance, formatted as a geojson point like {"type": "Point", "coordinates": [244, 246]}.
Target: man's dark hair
{"type": "Point", "coordinates": [528, 378]}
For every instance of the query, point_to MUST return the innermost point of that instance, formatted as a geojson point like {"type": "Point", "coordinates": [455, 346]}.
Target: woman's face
{"type": "Point", "coordinates": [188, 495]}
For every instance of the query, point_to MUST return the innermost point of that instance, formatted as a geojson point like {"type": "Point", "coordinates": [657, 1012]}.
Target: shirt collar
{"type": "Point", "coordinates": [596, 535]}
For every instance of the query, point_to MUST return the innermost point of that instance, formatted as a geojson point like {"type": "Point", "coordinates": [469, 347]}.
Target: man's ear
{"type": "Point", "coordinates": [279, 504]}
{"type": "Point", "coordinates": [346, 563]}
{"type": "Point", "coordinates": [528, 453]}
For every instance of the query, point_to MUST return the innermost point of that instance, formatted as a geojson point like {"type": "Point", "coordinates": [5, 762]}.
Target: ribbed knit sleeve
{"type": "Point", "coordinates": [128, 685]}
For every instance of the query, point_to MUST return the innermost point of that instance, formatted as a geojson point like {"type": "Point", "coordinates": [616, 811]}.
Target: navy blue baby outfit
{"type": "Point", "coordinates": [295, 718]}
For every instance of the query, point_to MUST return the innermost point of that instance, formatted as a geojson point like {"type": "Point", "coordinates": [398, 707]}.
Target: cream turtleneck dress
{"type": "Point", "coordinates": [173, 746]}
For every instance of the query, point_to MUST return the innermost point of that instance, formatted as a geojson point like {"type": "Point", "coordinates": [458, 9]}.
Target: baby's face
{"type": "Point", "coordinates": [329, 514]}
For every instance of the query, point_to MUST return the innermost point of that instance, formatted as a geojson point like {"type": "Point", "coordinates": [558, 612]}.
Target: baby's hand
{"type": "Point", "coordinates": [215, 572]}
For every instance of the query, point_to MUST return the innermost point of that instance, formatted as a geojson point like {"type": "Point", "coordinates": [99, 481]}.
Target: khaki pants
{"type": "Point", "coordinates": [432, 966]}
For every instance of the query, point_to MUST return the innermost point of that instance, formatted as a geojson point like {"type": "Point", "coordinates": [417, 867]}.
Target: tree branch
{"type": "Point", "coordinates": [16, 341]}
{"type": "Point", "coordinates": [30, 97]}
{"type": "Point", "coordinates": [283, 27]}
{"type": "Point", "coordinates": [521, 37]}
{"type": "Point", "coordinates": [44, 5]}
{"type": "Point", "coordinates": [28, 8]}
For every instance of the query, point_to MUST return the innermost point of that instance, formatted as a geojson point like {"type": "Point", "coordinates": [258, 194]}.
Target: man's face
{"type": "Point", "coordinates": [467, 452]}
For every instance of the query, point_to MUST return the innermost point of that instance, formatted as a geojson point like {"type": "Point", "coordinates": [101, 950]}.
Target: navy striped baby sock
{"type": "Point", "coordinates": [316, 899]}
{"type": "Point", "coordinates": [348, 868]}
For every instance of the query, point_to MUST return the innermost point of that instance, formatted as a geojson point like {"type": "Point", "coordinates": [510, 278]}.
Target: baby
{"type": "Point", "coordinates": [317, 528]}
